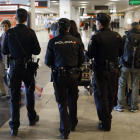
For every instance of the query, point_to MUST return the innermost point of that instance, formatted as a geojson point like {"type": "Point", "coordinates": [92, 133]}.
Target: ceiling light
{"type": "Point", "coordinates": [114, 0]}
{"type": "Point", "coordinates": [84, 2]}
{"type": "Point", "coordinates": [53, 1]}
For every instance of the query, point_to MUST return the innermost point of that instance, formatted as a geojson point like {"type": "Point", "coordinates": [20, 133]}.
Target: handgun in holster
{"type": "Point", "coordinates": [61, 73]}
{"type": "Point", "coordinates": [80, 74]}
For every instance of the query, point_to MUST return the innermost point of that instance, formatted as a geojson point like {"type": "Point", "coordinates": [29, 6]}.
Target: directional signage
{"type": "Point", "coordinates": [134, 2]}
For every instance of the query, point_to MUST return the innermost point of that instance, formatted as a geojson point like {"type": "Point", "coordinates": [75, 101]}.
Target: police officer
{"type": "Point", "coordinates": [65, 55]}
{"type": "Point", "coordinates": [21, 42]}
{"type": "Point", "coordinates": [105, 47]}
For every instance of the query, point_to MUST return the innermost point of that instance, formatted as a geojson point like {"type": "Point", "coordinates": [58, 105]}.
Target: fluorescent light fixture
{"type": "Point", "coordinates": [83, 2]}
{"type": "Point", "coordinates": [114, 0]}
{"type": "Point", "coordinates": [53, 1]}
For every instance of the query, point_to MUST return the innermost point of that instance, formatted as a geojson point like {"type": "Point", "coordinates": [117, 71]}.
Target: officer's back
{"type": "Point", "coordinates": [107, 45]}
{"type": "Point", "coordinates": [64, 55]}
{"type": "Point", "coordinates": [67, 51]}
{"type": "Point", "coordinates": [26, 37]}
{"type": "Point", "coordinates": [21, 42]}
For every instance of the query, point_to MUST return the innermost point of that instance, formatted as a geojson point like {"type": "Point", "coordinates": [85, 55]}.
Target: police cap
{"type": "Point", "coordinates": [103, 17]}
{"type": "Point", "coordinates": [21, 12]}
{"type": "Point", "coordinates": [63, 23]}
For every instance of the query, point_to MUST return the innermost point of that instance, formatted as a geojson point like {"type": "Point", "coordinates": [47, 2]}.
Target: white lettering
{"type": "Point", "coordinates": [64, 42]}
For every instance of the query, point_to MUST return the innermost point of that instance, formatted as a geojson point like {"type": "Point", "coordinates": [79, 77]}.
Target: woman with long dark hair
{"type": "Point", "coordinates": [74, 29]}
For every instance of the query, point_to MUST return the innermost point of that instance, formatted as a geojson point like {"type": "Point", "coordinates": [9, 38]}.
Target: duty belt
{"type": "Point", "coordinates": [19, 61]}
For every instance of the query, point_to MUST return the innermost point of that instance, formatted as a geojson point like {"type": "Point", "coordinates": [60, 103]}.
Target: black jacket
{"type": "Point", "coordinates": [54, 26]}
{"type": "Point", "coordinates": [64, 51]}
{"type": "Point", "coordinates": [27, 38]}
{"type": "Point", "coordinates": [128, 34]}
{"type": "Point", "coordinates": [105, 45]}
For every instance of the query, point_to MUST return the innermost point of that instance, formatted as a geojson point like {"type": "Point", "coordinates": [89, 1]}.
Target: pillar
{"type": "Point", "coordinates": [65, 9]}
{"type": "Point", "coordinates": [32, 15]}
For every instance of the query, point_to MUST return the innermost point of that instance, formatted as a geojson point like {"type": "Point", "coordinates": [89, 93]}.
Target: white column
{"type": "Point", "coordinates": [65, 9]}
{"type": "Point", "coordinates": [32, 14]}
{"type": "Point", "coordinates": [24, 2]}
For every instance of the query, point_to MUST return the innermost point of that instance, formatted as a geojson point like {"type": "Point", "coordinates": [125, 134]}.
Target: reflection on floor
{"type": "Point", "coordinates": [5, 113]}
{"type": "Point", "coordinates": [125, 125]}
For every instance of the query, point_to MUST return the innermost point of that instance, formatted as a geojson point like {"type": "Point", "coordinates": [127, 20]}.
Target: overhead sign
{"type": "Point", "coordinates": [134, 2]}
{"type": "Point", "coordinates": [40, 4]}
{"type": "Point", "coordinates": [9, 8]}
{"type": "Point", "coordinates": [36, 4]}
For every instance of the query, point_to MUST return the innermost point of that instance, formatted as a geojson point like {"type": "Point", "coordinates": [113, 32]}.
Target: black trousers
{"type": "Point", "coordinates": [17, 74]}
{"type": "Point", "coordinates": [105, 102]}
{"type": "Point", "coordinates": [68, 94]}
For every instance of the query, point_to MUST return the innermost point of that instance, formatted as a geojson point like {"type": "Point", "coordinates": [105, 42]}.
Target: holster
{"type": "Point", "coordinates": [65, 72]}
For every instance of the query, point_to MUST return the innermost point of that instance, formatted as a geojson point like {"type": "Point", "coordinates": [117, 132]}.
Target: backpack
{"type": "Point", "coordinates": [132, 50]}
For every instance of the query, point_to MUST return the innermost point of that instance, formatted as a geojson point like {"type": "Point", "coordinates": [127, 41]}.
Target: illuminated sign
{"type": "Point", "coordinates": [8, 8]}
{"type": "Point", "coordinates": [134, 2]}
{"type": "Point", "coordinates": [41, 4]}
{"type": "Point", "coordinates": [36, 4]}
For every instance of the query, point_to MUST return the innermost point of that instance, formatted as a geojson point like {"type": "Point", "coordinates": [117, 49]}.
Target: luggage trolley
{"type": "Point", "coordinates": [87, 76]}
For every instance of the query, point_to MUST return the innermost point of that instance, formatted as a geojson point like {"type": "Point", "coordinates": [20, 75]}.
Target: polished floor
{"type": "Point", "coordinates": [125, 125]}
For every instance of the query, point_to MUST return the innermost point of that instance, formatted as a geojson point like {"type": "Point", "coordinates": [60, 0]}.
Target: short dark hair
{"type": "Point", "coordinates": [105, 24]}
{"type": "Point", "coordinates": [5, 21]}
{"type": "Point", "coordinates": [21, 15]}
{"type": "Point", "coordinates": [73, 25]}
{"type": "Point", "coordinates": [135, 25]}
{"type": "Point", "coordinates": [21, 19]}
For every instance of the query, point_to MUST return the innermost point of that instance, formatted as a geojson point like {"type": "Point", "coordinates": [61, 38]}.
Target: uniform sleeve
{"type": "Point", "coordinates": [5, 48]}
{"type": "Point", "coordinates": [92, 48]}
{"type": "Point", "coordinates": [121, 48]}
{"type": "Point", "coordinates": [49, 58]}
{"type": "Point", "coordinates": [35, 45]}
{"type": "Point", "coordinates": [81, 55]}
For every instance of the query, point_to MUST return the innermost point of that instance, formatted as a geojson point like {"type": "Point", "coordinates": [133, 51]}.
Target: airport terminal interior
{"type": "Point", "coordinates": [125, 125]}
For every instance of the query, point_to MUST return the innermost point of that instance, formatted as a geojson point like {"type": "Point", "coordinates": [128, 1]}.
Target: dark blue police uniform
{"type": "Point", "coordinates": [105, 47]}
{"type": "Point", "coordinates": [19, 72]}
{"type": "Point", "coordinates": [65, 54]}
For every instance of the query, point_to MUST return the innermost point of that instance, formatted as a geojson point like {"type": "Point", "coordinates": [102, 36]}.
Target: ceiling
{"type": "Point", "coordinates": [88, 5]}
